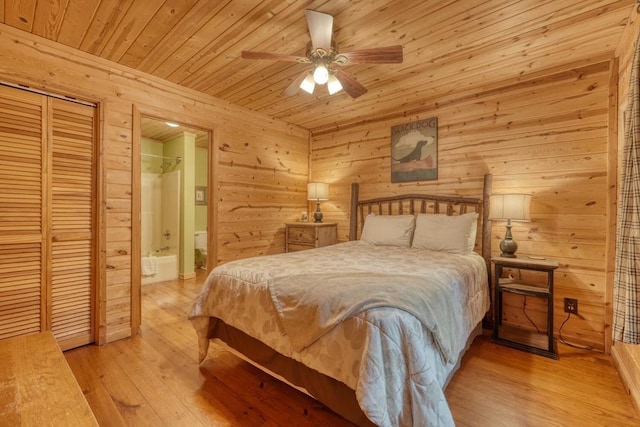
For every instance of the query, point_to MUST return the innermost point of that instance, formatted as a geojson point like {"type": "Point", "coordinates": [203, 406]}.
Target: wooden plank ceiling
{"type": "Point", "coordinates": [449, 46]}
{"type": "Point", "coordinates": [160, 131]}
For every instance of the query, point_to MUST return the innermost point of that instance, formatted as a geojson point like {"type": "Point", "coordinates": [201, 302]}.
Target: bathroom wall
{"type": "Point", "coordinates": [168, 209]}
{"type": "Point", "coordinates": [184, 146]}
{"type": "Point", "coordinates": [201, 176]}
{"type": "Point", "coordinates": [161, 179]}
{"type": "Point", "coordinates": [151, 190]}
{"type": "Point", "coordinates": [158, 205]}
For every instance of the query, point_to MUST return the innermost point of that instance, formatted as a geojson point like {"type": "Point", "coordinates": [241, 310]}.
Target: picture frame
{"type": "Point", "coordinates": [414, 151]}
{"type": "Point", "coordinates": [201, 195]}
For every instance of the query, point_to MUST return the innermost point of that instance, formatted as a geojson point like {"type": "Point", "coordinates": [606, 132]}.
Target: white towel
{"type": "Point", "coordinates": [149, 266]}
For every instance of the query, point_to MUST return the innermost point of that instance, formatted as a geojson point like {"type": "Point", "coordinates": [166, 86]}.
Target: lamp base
{"type": "Point", "coordinates": [317, 215]}
{"type": "Point", "coordinates": [508, 246]}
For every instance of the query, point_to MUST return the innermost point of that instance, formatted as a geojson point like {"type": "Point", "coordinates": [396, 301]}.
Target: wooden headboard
{"type": "Point", "coordinates": [422, 203]}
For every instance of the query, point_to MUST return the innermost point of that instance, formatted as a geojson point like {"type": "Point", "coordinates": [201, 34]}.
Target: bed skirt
{"type": "Point", "coordinates": [334, 394]}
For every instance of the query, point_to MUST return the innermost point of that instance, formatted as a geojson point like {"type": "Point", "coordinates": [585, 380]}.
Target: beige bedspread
{"type": "Point", "coordinates": [388, 356]}
{"type": "Point", "coordinates": [309, 305]}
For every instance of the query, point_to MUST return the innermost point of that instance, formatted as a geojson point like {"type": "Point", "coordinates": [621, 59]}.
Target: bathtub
{"type": "Point", "coordinates": [167, 269]}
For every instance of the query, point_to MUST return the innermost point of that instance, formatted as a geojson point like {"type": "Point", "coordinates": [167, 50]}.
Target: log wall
{"type": "Point", "coordinates": [260, 174]}
{"type": "Point", "coordinates": [545, 134]}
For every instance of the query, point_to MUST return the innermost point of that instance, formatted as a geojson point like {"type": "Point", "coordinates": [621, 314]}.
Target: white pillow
{"type": "Point", "coordinates": [455, 234]}
{"type": "Point", "coordinates": [388, 230]}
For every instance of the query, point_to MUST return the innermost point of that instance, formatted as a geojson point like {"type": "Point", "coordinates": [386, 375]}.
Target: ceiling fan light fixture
{"type": "Point", "coordinates": [308, 84]}
{"type": "Point", "coordinates": [321, 74]}
{"type": "Point", "coordinates": [322, 54]}
{"type": "Point", "coordinates": [333, 84]}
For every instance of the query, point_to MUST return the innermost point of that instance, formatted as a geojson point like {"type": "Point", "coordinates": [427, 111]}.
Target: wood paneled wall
{"type": "Point", "coordinates": [261, 174]}
{"type": "Point", "coordinates": [545, 134]}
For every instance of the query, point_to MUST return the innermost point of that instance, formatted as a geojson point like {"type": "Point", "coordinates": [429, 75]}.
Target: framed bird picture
{"type": "Point", "coordinates": [414, 151]}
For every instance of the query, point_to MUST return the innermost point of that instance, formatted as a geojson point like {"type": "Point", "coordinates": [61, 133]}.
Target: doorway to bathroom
{"type": "Point", "coordinates": [174, 200]}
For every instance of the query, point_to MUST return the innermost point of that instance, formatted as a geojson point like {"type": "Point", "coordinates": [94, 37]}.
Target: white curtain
{"type": "Point", "coordinates": [626, 287]}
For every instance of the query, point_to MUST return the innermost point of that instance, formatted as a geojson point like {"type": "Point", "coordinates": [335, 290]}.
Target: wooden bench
{"type": "Point", "coordinates": [37, 387]}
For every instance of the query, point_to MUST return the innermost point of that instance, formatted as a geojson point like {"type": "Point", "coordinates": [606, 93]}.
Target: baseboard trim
{"type": "Point", "coordinates": [625, 375]}
{"type": "Point", "coordinates": [118, 334]}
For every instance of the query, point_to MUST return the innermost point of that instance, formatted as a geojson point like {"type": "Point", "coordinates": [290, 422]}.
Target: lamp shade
{"type": "Point", "coordinates": [317, 191]}
{"type": "Point", "coordinates": [515, 207]}
{"type": "Point", "coordinates": [333, 85]}
{"type": "Point", "coordinates": [308, 84]}
{"type": "Point", "coordinates": [321, 74]}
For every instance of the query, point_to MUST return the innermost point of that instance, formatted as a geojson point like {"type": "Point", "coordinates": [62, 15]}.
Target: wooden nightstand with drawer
{"type": "Point", "coordinates": [308, 235]}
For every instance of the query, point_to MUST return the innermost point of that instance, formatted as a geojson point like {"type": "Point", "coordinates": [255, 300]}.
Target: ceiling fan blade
{"type": "Point", "coordinates": [293, 88]}
{"type": "Point", "coordinates": [320, 28]}
{"type": "Point", "coordinates": [275, 56]}
{"type": "Point", "coordinates": [379, 55]}
{"type": "Point", "coordinates": [350, 85]}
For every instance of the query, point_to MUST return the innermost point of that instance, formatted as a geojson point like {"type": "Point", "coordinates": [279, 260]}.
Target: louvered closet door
{"type": "Point", "coordinates": [47, 244]}
{"type": "Point", "coordinates": [22, 181]}
{"type": "Point", "coordinates": [72, 212]}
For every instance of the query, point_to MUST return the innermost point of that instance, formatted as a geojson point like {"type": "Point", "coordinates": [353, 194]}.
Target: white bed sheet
{"type": "Point", "coordinates": [386, 355]}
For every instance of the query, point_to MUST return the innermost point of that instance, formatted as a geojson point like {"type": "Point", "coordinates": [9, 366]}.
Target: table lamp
{"type": "Point", "coordinates": [509, 207]}
{"type": "Point", "coordinates": [317, 191]}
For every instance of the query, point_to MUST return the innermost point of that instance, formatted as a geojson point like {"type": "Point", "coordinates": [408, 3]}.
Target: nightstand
{"type": "Point", "coordinates": [308, 235]}
{"type": "Point", "coordinates": [540, 286]}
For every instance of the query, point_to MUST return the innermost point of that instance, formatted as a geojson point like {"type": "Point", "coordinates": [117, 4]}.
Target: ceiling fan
{"type": "Point", "coordinates": [322, 53]}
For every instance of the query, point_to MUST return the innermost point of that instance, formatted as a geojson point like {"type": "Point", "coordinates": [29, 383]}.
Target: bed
{"type": "Point", "coordinates": [375, 327]}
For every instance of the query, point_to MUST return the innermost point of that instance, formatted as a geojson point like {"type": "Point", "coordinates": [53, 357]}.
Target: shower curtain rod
{"type": "Point", "coordinates": [177, 159]}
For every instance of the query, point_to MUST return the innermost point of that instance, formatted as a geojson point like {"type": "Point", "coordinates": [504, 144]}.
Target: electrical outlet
{"type": "Point", "coordinates": [571, 305]}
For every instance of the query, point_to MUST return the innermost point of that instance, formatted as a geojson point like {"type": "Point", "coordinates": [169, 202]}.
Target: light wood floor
{"type": "Point", "coordinates": [154, 379]}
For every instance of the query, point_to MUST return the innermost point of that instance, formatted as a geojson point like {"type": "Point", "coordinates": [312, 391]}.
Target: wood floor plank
{"type": "Point", "coordinates": [154, 378]}
{"type": "Point", "coordinates": [219, 399]}
{"type": "Point", "coordinates": [130, 402]}
{"type": "Point", "coordinates": [582, 388]}
{"type": "Point", "coordinates": [156, 382]}
{"type": "Point", "coordinates": [95, 392]}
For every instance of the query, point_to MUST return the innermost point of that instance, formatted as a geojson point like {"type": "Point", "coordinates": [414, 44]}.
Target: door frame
{"type": "Point", "coordinates": [136, 198]}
